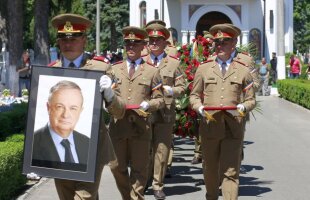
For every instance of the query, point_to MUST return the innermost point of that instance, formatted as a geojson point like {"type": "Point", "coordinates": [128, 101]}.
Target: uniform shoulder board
{"type": "Point", "coordinates": [246, 53]}
{"type": "Point", "coordinates": [101, 58]}
{"type": "Point", "coordinates": [207, 61]}
{"type": "Point", "coordinates": [119, 62]}
{"type": "Point", "coordinates": [242, 63]}
{"type": "Point", "coordinates": [174, 57]}
{"type": "Point", "coordinates": [52, 63]}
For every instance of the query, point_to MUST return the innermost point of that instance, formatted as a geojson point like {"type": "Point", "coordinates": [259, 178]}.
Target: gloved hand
{"type": "Point", "coordinates": [144, 105]}
{"type": "Point", "coordinates": [168, 90]}
{"type": "Point", "coordinates": [105, 87]}
{"type": "Point", "coordinates": [241, 107]}
{"type": "Point", "coordinates": [201, 111]}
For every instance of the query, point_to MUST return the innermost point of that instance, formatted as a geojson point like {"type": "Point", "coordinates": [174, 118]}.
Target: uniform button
{"type": "Point", "coordinates": [129, 98]}
{"type": "Point", "coordinates": [221, 105]}
{"type": "Point", "coordinates": [129, 90]}
{"type": "Point", "coordinates": [223, 80]}
{"type": "Point", "coordinates": [222, 97]}
{"type": "Point", "coordinates": [222, 88]}
{"type": "Point", "coordinates": [130, 82]}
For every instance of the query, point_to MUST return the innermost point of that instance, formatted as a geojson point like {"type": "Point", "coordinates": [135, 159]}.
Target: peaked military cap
{"type": "Point", "coordinates": [70, 25]}
{"type": "Point", "coordinates": [134, 33]}
{"type": "Point", "coordinates": [207, 34]}
{"type": "Point", "coordinates": [156, 21]}
{"type": "Point", "coordinates": [220, 31]}
{"type": "Point", "coordinates": [157, 30]}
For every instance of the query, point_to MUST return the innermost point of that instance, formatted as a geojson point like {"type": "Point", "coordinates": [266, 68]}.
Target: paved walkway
{"type": "Point", "coordinates": [275, 167]}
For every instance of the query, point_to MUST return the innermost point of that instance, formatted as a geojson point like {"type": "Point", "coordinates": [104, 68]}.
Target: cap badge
{"type": "Point", "coordinates": [68, 27]}
{"type": "Point", "coordinates": [219, 34]}
{"type": "Point", "coordinates": [131, 35]}
{"type": "Point", "coordinates": [155, 32]}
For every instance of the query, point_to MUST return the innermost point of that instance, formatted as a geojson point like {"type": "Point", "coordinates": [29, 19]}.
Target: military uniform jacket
{"type": "Point", "coordinates": [115, 108]}
{"type": "Point", "coordinates": [171, 75]}
{"type": "Point", "coordinates": [145, 85]}
{"type": "Point", "coordinates": [211, 89]}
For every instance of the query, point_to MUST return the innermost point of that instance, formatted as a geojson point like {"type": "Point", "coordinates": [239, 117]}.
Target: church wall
{"type": "Point", "coordinates": [176, 15]}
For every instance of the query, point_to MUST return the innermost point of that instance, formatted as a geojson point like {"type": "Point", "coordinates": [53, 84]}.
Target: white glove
{"type": "Point", "coordinates": [201, 111]}
{"type": "Point", "coordinates": [168, 90]}
{"type": "Point", "coordinates": [33, 176]}
{"type": "Point", "coordinates": [241, 107]}
{"type": "Point", "coordinates": [144, 105]}
{"type": "Point", "coordinates": [105, 87]}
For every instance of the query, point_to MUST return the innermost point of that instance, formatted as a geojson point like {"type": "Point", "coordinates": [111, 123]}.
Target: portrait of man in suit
{"type": "Point", "coordinates": [57, 144]}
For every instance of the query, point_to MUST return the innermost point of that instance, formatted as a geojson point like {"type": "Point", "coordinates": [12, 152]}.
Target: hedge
{"type": "Point", "coordinates": [295, 90]}
{"type": "Point", "coordinates": [11, 157]}
{"type": "Point", "coordinates": [13, 121]}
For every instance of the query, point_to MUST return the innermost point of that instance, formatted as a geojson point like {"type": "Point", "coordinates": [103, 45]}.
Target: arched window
{"type": "Point", "coordinates": [142, 14]}
{"type": "Point", "coordinates": [173, 36]}
{"type": "Point", "coordinates": [256, 38]}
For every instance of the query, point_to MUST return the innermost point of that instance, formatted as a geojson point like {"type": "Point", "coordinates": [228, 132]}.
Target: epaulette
{"type": "Point", "coordinates": [101, 58]}
{"type": "Point", "coordinates": [206, 61]}
{"type": "Point", "coordinates": [238, 61]}
{"type": "Point", "coordinates": [174, 57]}
{"type": "Point", "coordinates": [246, 53]}
{"type": "Point", "coordinates": [119, 62]}
{"type": "Point", "coordinates": [52, 63]}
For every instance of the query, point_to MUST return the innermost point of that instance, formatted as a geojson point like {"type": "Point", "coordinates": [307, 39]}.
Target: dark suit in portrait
{"type": "Point", "coordinates": [45, 153]}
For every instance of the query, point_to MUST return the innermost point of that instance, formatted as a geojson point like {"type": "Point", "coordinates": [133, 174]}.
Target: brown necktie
{"type": "Point", "coordinates": [224, 65]}
{"type": "Point", "coordinates": [132, 69]}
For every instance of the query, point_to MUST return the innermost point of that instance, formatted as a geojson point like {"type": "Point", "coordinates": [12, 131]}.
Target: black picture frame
{"type": "Point", "coordinates": [42, 78]}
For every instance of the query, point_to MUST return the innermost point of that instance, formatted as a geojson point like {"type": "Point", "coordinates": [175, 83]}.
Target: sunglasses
{"type": "Point", "coordinates": [222, 41]}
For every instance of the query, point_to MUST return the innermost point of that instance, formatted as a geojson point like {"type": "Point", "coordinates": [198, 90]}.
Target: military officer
{"type": "Point", "coordinates": [170, 48]}
{"type": "Point", "coordinates": [174, 86]}
{"type": "Point", "coordinates": [140, 85]}
{"type": "Point", "coordinates": [223, 80]}
{"type": "Point", "coordinates": [71, 38]}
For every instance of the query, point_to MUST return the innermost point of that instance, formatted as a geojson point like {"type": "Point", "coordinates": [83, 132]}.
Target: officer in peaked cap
{"type": "Point", "coordinates": [222, 134]}
{"type": "Point", "coordinates": [139, 84]}
{"type": "Point", "coordinates": [71, 38]}
{"type": "Point", "coordinates": [156, 21]}
{"type": "Point", "coordinates": [174, 87]}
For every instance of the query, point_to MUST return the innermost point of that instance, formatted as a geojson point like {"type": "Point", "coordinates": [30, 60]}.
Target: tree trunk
{"type": "Point", "coordinates": [15, 41]}
{"type": "Point", "coordinates": [113, 37]}
{"type": "Point", "coordinates": [41, 44]}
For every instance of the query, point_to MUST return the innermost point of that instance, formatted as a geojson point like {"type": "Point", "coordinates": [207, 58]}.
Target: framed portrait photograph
{"type": "Point", "coordinates": [63, 123]}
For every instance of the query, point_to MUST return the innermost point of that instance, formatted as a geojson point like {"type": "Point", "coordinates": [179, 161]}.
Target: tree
{"type": "Point", "coordinates": [114, 16]}
{"type": "Point", "coordinates": [302, 25]}
{"type": "Point", "coordinates": [15, 40]}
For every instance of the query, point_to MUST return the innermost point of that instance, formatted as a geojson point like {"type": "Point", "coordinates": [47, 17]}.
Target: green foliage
{"type": "Point", "coordinates": [11, 178]}
{"type": "Point", "coordinates": [13, 121]}
{"type": "Point", "coordinates": [250, 48]}
{"type": "Point", "coordinates": [301, 25]}
{"type": "Point", "coordinates": [114, 15]}
{"type": "Point", "coordinates": [295, 90]}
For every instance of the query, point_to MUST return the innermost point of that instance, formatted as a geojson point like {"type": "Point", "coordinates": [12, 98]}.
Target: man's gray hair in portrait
{"type": "Point", "coordinates": [64, 84]}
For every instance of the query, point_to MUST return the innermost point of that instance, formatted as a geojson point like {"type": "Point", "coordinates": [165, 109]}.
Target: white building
{"type": "Point", "coordinates": [188, 18]}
